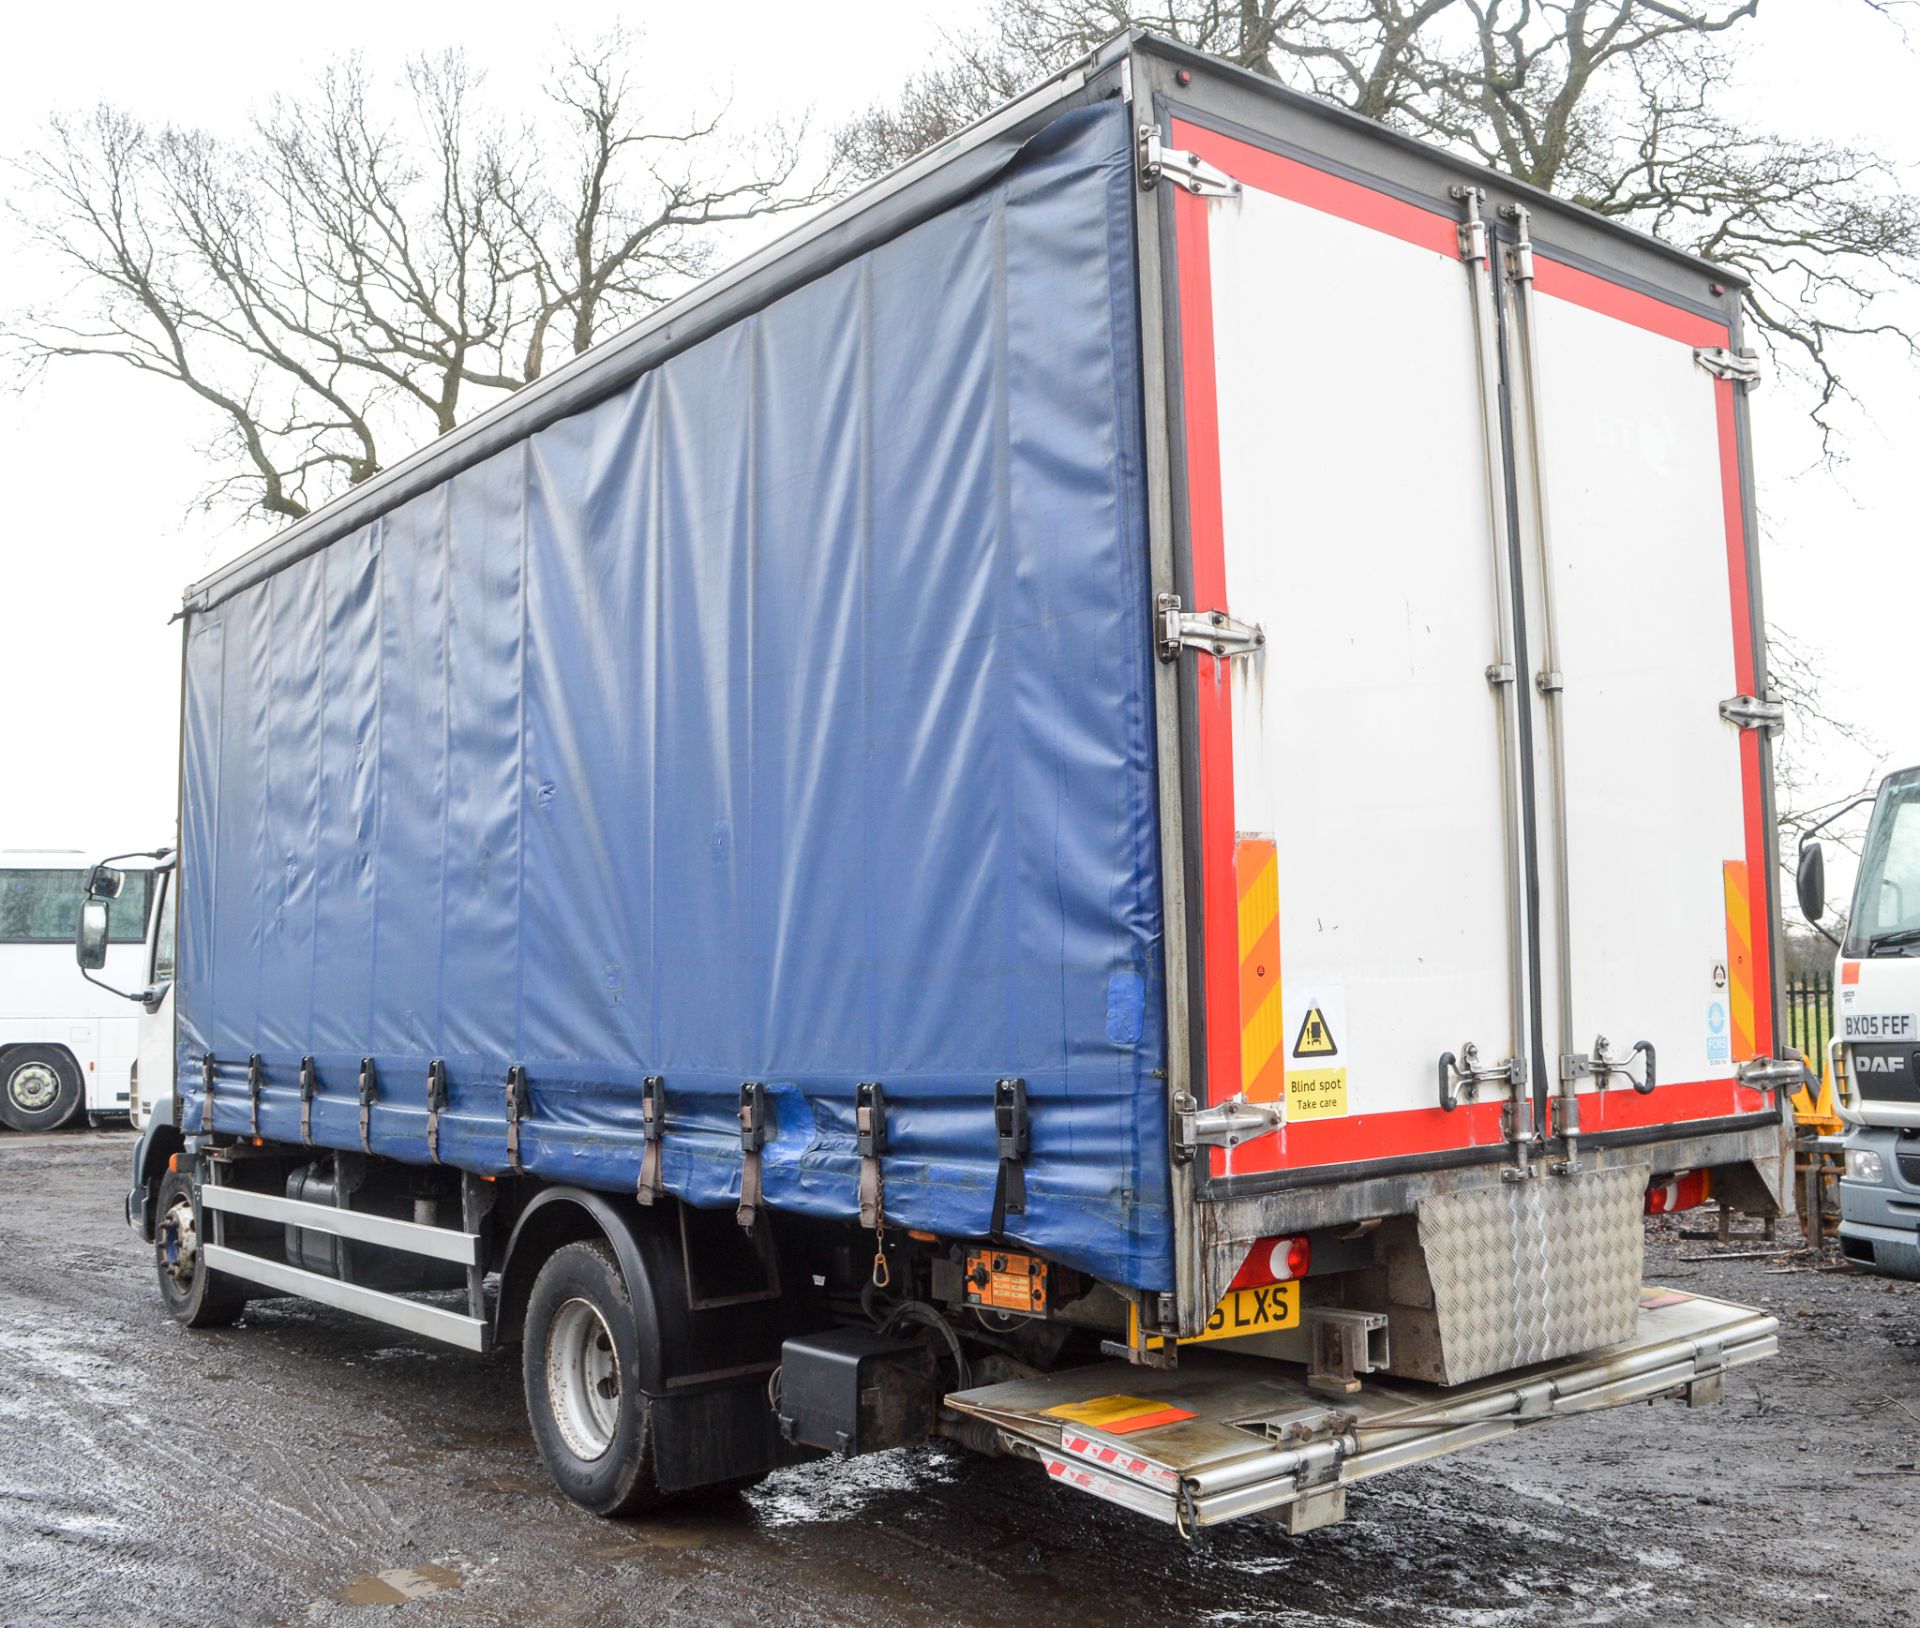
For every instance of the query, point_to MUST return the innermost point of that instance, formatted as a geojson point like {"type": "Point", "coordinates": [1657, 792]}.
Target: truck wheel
{"type": "Point", "coordinates": [580, 1364]}
{"type": "Point", "coordinates": [194, 1295]}
{"type": "Point", "coordinates": [39, 1088]}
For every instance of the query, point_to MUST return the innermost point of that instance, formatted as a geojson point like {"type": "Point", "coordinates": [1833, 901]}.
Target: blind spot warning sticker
{"type": "Point", "coordinates": [1315, 1038]}
{"type": "Point", "coordinates": [1316, 1093]}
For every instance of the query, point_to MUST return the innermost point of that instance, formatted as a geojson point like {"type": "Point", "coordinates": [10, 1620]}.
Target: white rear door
{"type": "Point", "coordinates": [1355, 825]}
{"type": "Point", "coordinates": [1645, 557]}
{"type": "Point", "coordinates": [1386, 854]}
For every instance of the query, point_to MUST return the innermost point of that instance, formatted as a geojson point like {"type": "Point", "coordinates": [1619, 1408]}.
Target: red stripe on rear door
{"type": "Point", "coordinates": [1759, 838]}
{"type": "Point", "coordinates": [1578, 287]}
{"type": "Point", "coordinates": [1318, 189]}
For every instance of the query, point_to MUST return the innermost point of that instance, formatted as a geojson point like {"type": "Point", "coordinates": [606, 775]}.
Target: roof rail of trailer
{"type": "Point", "coordinates": [878, 211]}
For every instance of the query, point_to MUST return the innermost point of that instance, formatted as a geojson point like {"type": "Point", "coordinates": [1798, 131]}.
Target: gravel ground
{"type": "Point", "coordinates": [306, 1467]}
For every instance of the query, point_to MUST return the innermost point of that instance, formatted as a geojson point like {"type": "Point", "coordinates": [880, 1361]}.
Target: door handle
{"type": "Point", "coordinates": [1463, 1076]}
{"type": "Point", "coordinates": [1601, 1066]}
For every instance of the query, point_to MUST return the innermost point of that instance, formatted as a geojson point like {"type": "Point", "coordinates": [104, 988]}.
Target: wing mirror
{"type": "Point", "coordinates": [90, 938]}
{"type": "Point", "coordinates": [1810, 882]}
{"type": "Point", "coordinates": [104, 882]}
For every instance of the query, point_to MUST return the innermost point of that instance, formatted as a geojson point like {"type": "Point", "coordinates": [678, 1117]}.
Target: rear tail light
{"type": "Point", "coordinates": [1685, 1191]}
{"type": "Point", "coordinates": [1274, 1260]}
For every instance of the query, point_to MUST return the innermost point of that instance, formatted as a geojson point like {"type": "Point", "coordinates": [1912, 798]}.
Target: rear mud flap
{"type": "Point", "coordinates": [1521, 1273]}
{"type": "Point", "coordinates": [1223, 1436]}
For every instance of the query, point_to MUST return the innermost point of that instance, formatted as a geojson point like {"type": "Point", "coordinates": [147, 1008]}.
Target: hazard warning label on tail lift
{"type": "Point", "coordinates": [1315, 1038]}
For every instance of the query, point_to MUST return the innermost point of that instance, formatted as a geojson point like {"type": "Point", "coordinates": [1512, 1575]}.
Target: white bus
{"type": "Point", "coordinates": [67, 1046]}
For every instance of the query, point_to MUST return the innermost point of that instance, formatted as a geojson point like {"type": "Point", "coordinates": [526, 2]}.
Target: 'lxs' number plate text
{"type": "Point", "coordinates": [1252, 1311]}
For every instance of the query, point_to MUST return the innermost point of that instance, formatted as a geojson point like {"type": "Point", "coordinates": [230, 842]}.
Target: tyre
{"type": "Point", "coordinates": [194, 1294]}
{"type": "Point", "coordinates": [580, 1363]}
{"type": "Point", "coordinates": [39, 1088]}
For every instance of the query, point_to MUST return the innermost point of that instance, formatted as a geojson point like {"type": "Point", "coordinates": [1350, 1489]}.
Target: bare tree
{"type": "Point", "coordinates": [1617, 104]}
{"type": "Point", "coordinates": [612, 243]}
{"type": "Point", "coordinates": [1795, 679]}
{"type": "Point", "coordinates": [362, 270]}
{"type": "Point", "coordinates": [1801, 798]}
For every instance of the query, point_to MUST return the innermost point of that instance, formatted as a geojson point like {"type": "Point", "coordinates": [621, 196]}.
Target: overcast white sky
{"type": "Point", "coordinates": [99, 470]}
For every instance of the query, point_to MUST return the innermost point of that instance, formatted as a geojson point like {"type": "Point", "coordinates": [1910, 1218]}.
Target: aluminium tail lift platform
{"type": "Point", "coordinates": [1220, 1436]}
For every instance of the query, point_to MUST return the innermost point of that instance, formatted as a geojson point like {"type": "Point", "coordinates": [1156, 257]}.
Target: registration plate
{"type": "Point", "coordinates": [1878, 1026]}
{"type": "Point", "coordinates": [1261, 1310]}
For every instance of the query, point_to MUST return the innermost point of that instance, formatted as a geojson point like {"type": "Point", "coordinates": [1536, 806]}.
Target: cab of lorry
{"type": "Point", "coordinates": [1875, 1051]}
{"type": "Point", "coordinates": [132, 898]}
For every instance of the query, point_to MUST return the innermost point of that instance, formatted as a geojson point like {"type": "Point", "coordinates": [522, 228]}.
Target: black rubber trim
{"type": "Point", "coordinates": [1279, 1181]}
{"type": "Point", "coordinates": [1180, 513]}
{"type": "Point", "coordinates": [1330, 1175]}
{"type": "Point", "coordinates": [1678, 1130]}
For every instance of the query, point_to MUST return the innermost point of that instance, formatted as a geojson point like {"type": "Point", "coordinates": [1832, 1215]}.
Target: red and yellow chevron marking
{"type": "Point", "coordinates": [1739, 959]}
{"type": "Point", "coordinates": [1263, 1056]}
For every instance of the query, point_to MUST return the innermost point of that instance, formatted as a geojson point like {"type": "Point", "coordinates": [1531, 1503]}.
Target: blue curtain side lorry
{"type": "Point", "coordinates": [1023, 819]}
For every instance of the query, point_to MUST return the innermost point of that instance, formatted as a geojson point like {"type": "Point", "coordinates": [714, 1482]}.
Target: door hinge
{"type": "Point", "coordinates": [1188, 171]}
{"type": "Point", "coordinates": [1226, 1125]}
{"type": "Point", "coordinates": [1472, 228]}
{"type": "Point", "coordinates": [1741, 366]}
{"type": "Point", "coordinates": [1520, 256]}
{"type": "Point", "coordinates": [1772, 1073]}
{"type": "Point", "coordinates": [1215, 632]}
{"type": "Point", "coordinates": [1754, 712]}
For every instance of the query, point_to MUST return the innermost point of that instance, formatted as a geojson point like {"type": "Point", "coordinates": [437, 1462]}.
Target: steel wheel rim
{"type": "Point", "coordinates": [583, 1379]}
{"type": "Point", "coordinates": [178, 1240]}
{"type": "Point", "coordinates": [34, 1087]}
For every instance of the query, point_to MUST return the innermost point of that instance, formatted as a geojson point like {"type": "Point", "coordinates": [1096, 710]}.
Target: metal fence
{"type": "Point", "coordinates": [1810, 1015]}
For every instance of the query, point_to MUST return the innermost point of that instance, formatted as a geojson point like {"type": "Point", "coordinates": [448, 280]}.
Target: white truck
{"type": "Point", "coordinates": [1875, 1051]}
{"type": "Point", "coordinates": [1114, 804]}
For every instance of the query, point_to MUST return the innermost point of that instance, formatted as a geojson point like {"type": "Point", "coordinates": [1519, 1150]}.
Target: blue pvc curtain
{"type": "Point", "coordinates": [785, 717]}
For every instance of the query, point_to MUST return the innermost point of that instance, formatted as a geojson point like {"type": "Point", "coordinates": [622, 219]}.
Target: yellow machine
{"type": "Point", "coordinates": [1817, 1160]}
